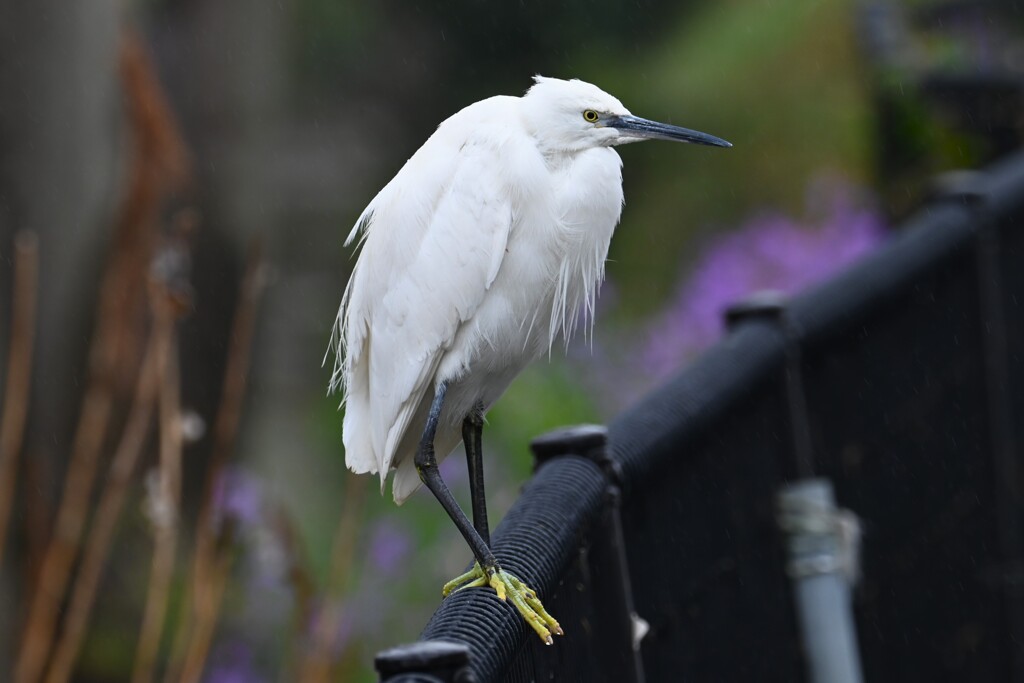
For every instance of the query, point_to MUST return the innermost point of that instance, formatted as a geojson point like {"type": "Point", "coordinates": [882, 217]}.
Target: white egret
{"type": "Point", "coordinates": [475, 257]}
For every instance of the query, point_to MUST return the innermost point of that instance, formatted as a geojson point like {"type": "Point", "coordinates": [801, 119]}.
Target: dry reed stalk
{"type": "Point", "coordinates": [303, 587]}
{"type": "Point", "coordinates": [19, 371]}
{"type": "Point", "coordinates": [111, 503]}
{"type": "Point", "coordinates": [64, 544]}
{"type": "Point", "coordinates": [225, 428]}
{"type": "Point", "coordinates": [317, 666]}
{"type": "Point", "coordinates": [203, 589]}
{"type": "Point", "coordinates": [159, 167]}
{"type": "Point", "coordinates": [36, 523]}
{"type": "Point", "coordinates": [205, 616]}
{"type": "Point", "coordinates": [165, 516]}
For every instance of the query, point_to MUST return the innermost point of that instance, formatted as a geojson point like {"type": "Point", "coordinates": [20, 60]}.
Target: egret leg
{"type": "Point", "coordinates": [472, 429]}
{"type": "Point", "coordinates": [486, 571]}
{"type": "Point", "coordinates": [426, 466]}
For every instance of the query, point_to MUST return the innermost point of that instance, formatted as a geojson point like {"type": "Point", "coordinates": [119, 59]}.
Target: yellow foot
{"type": "Point", "coordinates": [509, 586]}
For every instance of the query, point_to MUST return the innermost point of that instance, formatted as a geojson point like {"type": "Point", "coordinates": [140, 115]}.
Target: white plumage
{"type": "Point", "coordinates": [475, 257]}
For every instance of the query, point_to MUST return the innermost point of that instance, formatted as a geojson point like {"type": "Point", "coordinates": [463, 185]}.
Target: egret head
{"type": "Point", "coordinates": [570, 116]}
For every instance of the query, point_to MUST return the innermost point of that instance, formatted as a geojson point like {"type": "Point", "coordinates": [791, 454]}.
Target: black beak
{"type": "Point", "coordinates": [634, 126]}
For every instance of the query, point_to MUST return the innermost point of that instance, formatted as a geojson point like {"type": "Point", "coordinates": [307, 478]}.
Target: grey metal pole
{"type": "Point", "coordinates": [821, 543]}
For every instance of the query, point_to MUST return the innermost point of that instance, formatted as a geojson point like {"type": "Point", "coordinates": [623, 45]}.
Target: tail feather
{"type": "Point", "coordinates": [360, 456]}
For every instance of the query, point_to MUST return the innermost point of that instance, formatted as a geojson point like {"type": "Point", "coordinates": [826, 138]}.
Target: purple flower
{"type": "Point", "coordinates": [453, 471]}
{"type": "Point", "coordinates": [770, 252]}
{"type": "Point", "coordinates": [389, 546]}
{"type": "Point", "coordinates": [240, 501]}
{"type": "Point", "coordinates": [233, 663]}
{"type": "Point", "coordinates": [237, 496]}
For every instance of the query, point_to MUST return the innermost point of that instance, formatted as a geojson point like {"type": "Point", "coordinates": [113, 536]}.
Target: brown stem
{"type": "Point", "coordinates": [303, 587]}
{"type": "Point", "coordinates": [64, 544]}
{"type": "Point", "coordinates": [165, 513]}
{"type": "Point", "coordinates": [206, 614]}
{"type": "Point", "coordinates": [38, 520]}
{"type": "Point", "coordinates": [19, 371]}
{"type": "Point", "coordinates": [225, 429]}
{"type": "Point", "coordinates": [101, 534]}
{"type": "Point", "coordinates": [317, 667]}
{"type": "Point", "coordinates": [206, 563]}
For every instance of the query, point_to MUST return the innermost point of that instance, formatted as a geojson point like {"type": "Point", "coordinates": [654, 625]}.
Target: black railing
{"type": "Point", "coordinates": [901, 381]}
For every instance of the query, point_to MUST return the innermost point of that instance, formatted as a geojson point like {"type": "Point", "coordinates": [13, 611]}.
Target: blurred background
{"type": "Point", "coordinates": [176, 181]}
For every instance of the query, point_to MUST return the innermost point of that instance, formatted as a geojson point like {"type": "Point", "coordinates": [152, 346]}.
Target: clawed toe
{"type": "Point", "coordinates": [509, 587]}
{"type": "Point", "coordinates": [474, 578]}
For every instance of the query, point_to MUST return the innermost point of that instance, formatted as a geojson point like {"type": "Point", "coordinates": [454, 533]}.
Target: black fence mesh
{"type": "Point", "coordinates": [912, 368]}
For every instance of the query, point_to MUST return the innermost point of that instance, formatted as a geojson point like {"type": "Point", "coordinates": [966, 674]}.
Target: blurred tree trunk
{"type": "Point", "coordinates": [59, 107]}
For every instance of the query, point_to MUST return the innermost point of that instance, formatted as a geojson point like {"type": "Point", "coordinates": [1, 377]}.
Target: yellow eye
{"type": "Point", "coordinates": [590, 115]}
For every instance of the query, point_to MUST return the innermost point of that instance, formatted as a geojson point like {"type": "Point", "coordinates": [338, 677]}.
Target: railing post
{"type": "Point", "coordinates": [821, 540]}
{"type": "Point", "coordinates": [622, 630]}
{"type": "Point", "coordinates": [428, 661]}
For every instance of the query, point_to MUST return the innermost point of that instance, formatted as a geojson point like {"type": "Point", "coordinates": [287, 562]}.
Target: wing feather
{"type": "Point", "coordinates": [434, 240]}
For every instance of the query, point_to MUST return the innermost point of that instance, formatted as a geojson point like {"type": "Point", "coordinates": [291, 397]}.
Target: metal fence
{"type": "Point", "coordinates": [901, 381]}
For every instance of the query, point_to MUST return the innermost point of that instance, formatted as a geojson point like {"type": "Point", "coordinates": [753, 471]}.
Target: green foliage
{"type": "Point", "coordinates": [333, 36]}
{"type": "Point", "coordinates": [546, 396]}
{"type": "Point", "coordinates": [780, 80]}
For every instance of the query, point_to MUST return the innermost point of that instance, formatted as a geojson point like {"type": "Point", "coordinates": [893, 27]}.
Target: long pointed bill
{"type": "Point", "coordinates": [634, 126]}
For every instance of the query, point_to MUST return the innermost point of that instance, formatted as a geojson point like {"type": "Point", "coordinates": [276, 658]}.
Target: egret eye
{"type": "Point", "coordinates": [590, 115]}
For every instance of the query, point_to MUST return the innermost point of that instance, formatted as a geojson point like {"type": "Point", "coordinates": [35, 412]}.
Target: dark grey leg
{"type": "Point", "coordinates": [472, 428]}
{"type": "Point", "coordinates": [426, 465]}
